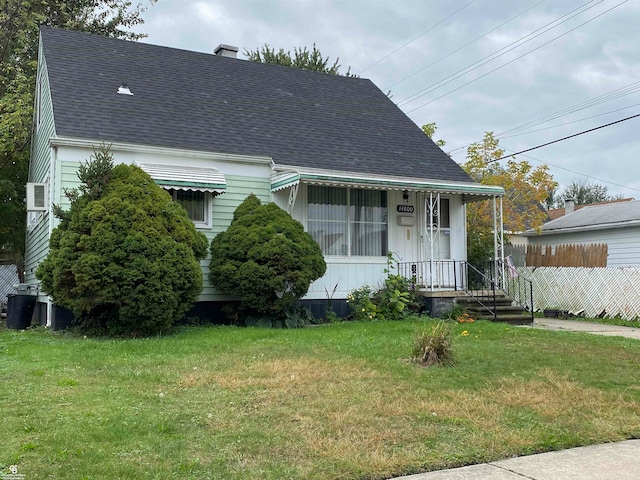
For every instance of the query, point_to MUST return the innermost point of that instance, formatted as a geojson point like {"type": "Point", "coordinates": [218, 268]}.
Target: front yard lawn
{"type": "Point", "coordinates": [331, 402]}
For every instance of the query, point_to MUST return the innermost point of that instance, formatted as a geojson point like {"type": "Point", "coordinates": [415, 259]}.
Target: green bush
{"type": "Point", "coordinates": [265, 258]}
{"type": "Point", "coordinates": [361, 304]}
{"type": "Point", "coordinates": [125, 257]}
{"type": "Point", "coordinates": [393, 301]}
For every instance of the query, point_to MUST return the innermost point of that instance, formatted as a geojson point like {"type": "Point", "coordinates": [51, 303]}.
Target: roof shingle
{"type": "Point", "coordinates": [196, 101]}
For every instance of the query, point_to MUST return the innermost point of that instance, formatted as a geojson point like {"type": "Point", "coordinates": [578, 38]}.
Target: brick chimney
{"type": "Point", "coordinates": [569, 205]}
{"type": "Point", "coordinates": [226, 51]}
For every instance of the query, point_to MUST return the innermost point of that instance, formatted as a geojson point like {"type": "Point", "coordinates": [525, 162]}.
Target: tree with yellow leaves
{"type": "Point", "coordinates": [526, 190]}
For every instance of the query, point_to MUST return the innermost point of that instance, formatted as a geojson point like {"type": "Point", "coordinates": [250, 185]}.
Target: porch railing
{"type": "Point", "coordinates": [434, 274]}
{"type": "Point", "coordinates": [515, 284]}
{"type": "Point", "coordinates": [481, 284]}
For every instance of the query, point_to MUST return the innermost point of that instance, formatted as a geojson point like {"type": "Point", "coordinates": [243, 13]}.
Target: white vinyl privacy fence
{"type": "Point", "coordinates": [610, 292]}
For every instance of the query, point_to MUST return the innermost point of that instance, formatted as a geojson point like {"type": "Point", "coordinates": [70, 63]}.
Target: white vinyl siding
{"type": "Point", "coordinates": [37, 236]}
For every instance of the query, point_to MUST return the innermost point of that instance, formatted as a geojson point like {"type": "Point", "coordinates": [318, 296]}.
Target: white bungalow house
{"type": "Point", "coordinates": [334, 151]}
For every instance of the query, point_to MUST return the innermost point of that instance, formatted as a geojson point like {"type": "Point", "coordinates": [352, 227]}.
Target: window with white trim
{"type": "Point", "coordinates": [348, 221]}
{"type": "Point", "coordinates": [196, 203]}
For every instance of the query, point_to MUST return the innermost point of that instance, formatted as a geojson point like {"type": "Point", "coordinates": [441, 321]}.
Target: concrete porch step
{"type": "Point", "coordinates": [506, 310]}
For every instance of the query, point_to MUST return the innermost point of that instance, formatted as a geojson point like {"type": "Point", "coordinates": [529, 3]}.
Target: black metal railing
{"type": "Point", "coordinates": [439, 274]}
{"type": "Point", "coordinates": [515, 284]}
{"type": "Point", "coordinates": [453, 274]}
{"type": "Point", "coordinates": [481, 286]}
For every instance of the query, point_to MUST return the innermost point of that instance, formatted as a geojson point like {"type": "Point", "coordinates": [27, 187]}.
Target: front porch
{"type": "Point", "coordinates": [496, 292]}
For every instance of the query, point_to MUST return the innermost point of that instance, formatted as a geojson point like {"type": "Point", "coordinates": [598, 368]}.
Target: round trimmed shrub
{"type": "Point", "coordinates": [125, 258]}
{"type": "Point", "coordinates": [265, 258]}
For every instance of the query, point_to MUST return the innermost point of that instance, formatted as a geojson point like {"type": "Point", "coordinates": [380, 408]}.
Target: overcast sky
{"type": "Point", "coordinates": [555, 56]}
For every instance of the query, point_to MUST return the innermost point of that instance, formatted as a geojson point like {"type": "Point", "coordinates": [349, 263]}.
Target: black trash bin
{"type": "Point", "coordinates": [19, 311]}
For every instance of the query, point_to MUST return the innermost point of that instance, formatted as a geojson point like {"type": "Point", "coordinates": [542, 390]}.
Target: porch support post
{"type": "Point", "coordinates": [293, 194]}
{"type": "Point", "coordinates": [498, 240]}
{"type": "Point", "coordinates": [495, 238]}
{"type": "Point", "coordinates": [431, 240]}
{"type": "Point", "coordinates": [501, 243]}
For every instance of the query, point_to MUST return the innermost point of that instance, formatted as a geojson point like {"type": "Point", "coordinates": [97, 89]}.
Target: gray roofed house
{"type": "Point", "coordinates": [615, 224]}
{"type": "Point", "coordinates": [334, 151]}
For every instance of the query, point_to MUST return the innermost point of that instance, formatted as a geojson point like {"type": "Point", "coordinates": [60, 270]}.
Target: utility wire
{"type": "Point", "coordinates": [613, 95]}
{"type": "Point", "coordinates": [604, 98]}
{"type": "Point", "coordinates": [500, 52]}
{"type": "Point", "coordinates": [463, 46]}
{"type": "Point", "coordinates": [573, 171]}
{"type": "Point", "coordinates": [565, 138]}
{"type": "Point", "coordinates": [528, 132]}
{"type": "Point", "coordinates": [415, 38]}
{"type": "Point", "coordinates": [515, 59]}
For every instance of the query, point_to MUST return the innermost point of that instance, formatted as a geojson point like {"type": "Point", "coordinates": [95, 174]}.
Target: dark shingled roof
{"type": "Point", "coordinates": [204, 102]}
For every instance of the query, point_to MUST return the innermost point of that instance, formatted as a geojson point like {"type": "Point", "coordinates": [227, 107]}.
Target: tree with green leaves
{"type": "Point", "coordinates": [125, 257]}
{"type": "Point", "coordinates": [265, 258]}
{"type": "Point", "coordinates": [19, 30]}
{"type": "Point", "coordinates": [430, 130]}
{"type": "Point", "coordinates": [584, 193]}
{"type": "Point", "coordinates": [302, 58]}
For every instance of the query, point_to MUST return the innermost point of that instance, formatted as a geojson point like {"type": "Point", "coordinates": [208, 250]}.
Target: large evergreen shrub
{"type": "Point", "coordinates": [265, 258]}
{"type": "Point", "coordinates": [125, 257]}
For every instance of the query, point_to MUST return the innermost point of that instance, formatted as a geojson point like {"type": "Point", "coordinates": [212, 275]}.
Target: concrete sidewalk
{"type": "Point", "coordinates": [586, 327]}
{"type": "Point", "coordinates": [611, 461]}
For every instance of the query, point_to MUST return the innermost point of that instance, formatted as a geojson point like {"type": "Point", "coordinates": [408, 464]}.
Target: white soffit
{"type": "Point", "coordinates": [198, 179]}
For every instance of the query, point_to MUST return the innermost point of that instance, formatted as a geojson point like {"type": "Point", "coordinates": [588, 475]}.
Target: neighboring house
{"type": "Point", "coordinates": [334, 151]}
{"type": "Point", "coordinates": [616, 224]}
{"type": "Point", "coordinates": [570, 206]}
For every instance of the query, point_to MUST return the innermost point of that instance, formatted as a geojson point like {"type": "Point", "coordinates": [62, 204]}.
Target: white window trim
{"type": "Point", "coordinates": [31, 194]}
{"type": "Point", "coordinates": [208, 207]}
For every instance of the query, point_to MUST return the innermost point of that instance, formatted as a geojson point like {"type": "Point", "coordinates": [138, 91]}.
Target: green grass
{"type": "Point", "coordinates": [331, 402]}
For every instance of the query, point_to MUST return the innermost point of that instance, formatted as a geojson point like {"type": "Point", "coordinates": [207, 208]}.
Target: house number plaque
{"type": "Point", "coordinates": [405, 209]}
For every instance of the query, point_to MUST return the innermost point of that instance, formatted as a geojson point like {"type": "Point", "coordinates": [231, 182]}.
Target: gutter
{"type": "Point", "coordinates": [584, 228]}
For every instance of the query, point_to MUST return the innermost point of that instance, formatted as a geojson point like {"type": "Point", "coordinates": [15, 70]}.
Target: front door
{"type": "Point", "coordinates": [437, 245]}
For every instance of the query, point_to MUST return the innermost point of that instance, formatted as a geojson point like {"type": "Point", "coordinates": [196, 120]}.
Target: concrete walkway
{"type": "Point", "coordinates": [611, 461]}
{"type": "Point", "coordinates": [586, 327]}
{"type": "Point", "coordinates": [619, 461]}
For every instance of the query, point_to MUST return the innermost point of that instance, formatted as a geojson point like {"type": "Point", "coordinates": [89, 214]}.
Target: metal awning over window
{"type": "Point", "coordinates": [198, 179]}
{"type": "Point", "coordinates": [286, 178]}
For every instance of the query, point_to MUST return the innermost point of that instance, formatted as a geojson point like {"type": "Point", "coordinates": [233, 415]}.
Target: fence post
{"type": "Point", "coordinates": [531, 292]}
{"type": "Point", "coordinates": [493, 288]}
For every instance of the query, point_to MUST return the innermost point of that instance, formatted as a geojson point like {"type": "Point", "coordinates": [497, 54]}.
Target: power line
{"type": "Point", "coordinates": [515, 59]}
{"type": "Point", "coordinates": [415, 38]}
{"type": "Point", "coordinates": [575, 172]}
{"type": "Point", "coordinates": [614, 95]}
{"type": "Point", "coordinates": [463, 46]}
{"type": "Point", "coordinates": [567, 123]}
{"type": "Point", "coordinates": [565, 138]}
{"type": "Point", "coordinates": [498, 53]}
{"type": "Point", "coordinates": [604, 98]}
